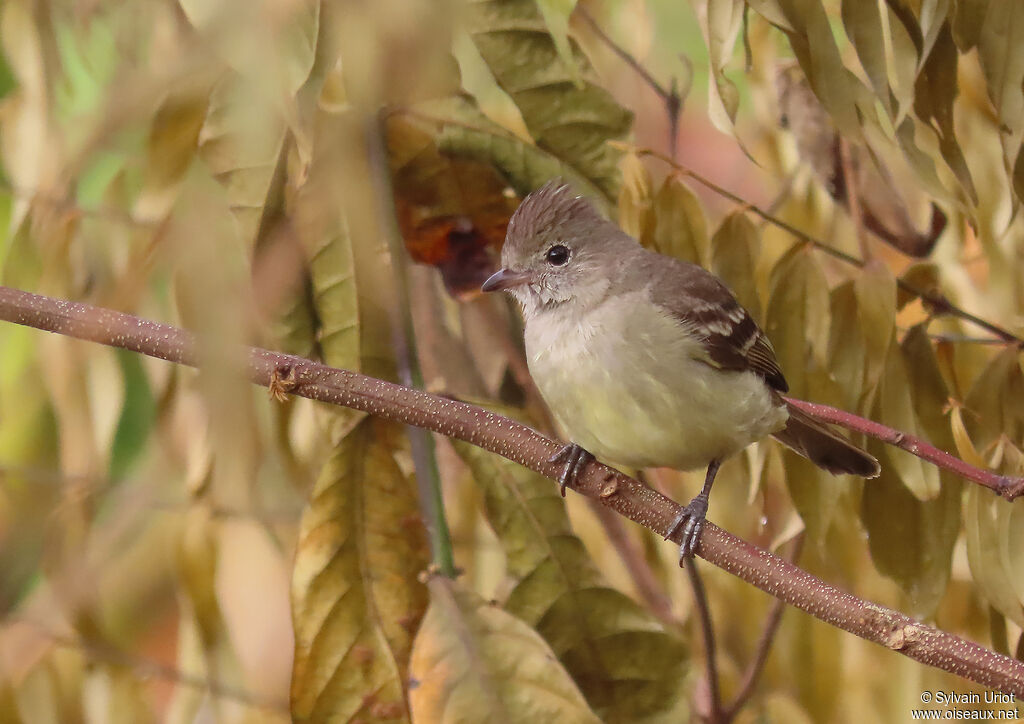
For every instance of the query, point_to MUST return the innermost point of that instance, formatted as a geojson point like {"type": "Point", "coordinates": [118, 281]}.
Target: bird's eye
{"type": "Point", "coordinates": [557, 255]}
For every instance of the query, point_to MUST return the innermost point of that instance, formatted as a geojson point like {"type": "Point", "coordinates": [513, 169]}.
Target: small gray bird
{"type": "Point", "coordinates": [646, 360]}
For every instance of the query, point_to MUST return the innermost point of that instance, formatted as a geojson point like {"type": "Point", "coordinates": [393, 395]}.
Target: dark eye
{"type": "Point", "coordinates": [557, 255]}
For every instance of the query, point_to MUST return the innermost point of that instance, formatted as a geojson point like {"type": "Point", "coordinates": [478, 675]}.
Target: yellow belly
{"type": "Point", "coordinates": [625, 382]}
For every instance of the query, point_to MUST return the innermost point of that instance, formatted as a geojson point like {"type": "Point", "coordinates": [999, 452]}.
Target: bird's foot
{"type": "Point", "coordinates": [575, 459]}
{"type": "Point", "coordinates": [691, 520]}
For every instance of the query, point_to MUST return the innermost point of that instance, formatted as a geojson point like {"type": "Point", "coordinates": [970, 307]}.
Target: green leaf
{"type": "Point", "coordinates": [473, 662]}
{"type": "Point", "coordinates": [137, 415]}
{"type": "Point", "coordinates": [628, 666]}
{"type": "Point", "coordinates": [734, 252]}
{"type": "Point", "coordinates": [356, 601]}
{"type": "Point", "coordinates": [679, 228]}
{"type": "Point", "coordinates": [572, 122]}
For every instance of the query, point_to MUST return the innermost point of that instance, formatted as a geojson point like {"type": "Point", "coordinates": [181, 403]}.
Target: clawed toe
{"type": "Point", "coordinates": [691, 520]}
{"type": "Point", "coordinates": [575, 459]}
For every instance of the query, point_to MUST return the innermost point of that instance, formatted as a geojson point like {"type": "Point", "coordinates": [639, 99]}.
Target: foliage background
{"type": "Point", "coordinates": [220, 166]}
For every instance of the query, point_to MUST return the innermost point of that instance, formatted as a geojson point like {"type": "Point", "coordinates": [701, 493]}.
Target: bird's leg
{"type": "Point", "coordinates": [575, 459]}
{"type": "Point", "coordinates": [691, 518]}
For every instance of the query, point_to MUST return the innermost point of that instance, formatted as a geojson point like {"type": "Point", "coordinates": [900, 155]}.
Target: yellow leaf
{"type": "Point", "coordinates": [356, 601]}
{"type": "Point", "coordinates": [734, 252]}
{"type": "Point", "coordinates": [473, 662]}
{"type": "Point", "coordinates": [875, 289]}
{"type": "Point", "coordinates": [624, 660]}
{"type": "Point", "coordinates": [798, 317]}
{"type": "Point", "coordinates": [679, 228]}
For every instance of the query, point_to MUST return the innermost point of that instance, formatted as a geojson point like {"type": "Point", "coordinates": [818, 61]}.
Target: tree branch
{"type": "Point", "coordinates": [1005, 485]}
{"type": "Point", "coordinates": [520, 444]}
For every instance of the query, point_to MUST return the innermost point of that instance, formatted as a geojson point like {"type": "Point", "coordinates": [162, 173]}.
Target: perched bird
{"type": "Point", "coordinates": [646, 360]}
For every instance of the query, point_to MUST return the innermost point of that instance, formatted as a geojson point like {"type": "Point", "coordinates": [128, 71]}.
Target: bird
{"type": "Point", "coordinates": [646, 360]}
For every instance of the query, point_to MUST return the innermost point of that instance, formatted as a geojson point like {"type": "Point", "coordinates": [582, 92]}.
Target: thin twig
{"type": "Point", "coordinates": [764, 644]}
{"type": "Point", "coordinates": [518, 443]}
{"type": "Point", "coordinates": [936, 301]}
{"type": "Point", "coordinates": [671, 96]}
{"type": "Point", "coordinates": [1005, 485]}
{"type": "Point", "coordinates": [632, 62]}
{"type": "Point", "coordinates": [853, 198]}
{"type": "Point", "coordinates": [707, 627]}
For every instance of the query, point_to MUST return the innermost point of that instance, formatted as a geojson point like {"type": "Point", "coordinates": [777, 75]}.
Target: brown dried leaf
{"type": "Point", "coordinates": [452, 211]}
{"type": "Point", "coordinates": [356, 601]}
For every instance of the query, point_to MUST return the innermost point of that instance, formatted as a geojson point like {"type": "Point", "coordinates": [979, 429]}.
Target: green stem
{"type": "Point", "coordinates": [424, 452]}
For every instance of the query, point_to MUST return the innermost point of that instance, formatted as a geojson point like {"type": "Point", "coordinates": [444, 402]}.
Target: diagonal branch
{"type": "Point", "coordinates": [1005, 485]}
{"type": "Point", "coordinates": [520, 444]}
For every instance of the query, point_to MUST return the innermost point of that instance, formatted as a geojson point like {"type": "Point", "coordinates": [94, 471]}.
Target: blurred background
{"type": "Point", "coordinates": [333, 179]}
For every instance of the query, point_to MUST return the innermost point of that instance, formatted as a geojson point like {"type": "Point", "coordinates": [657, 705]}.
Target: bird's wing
{"type": "Point", "coordinates": [731, 338]}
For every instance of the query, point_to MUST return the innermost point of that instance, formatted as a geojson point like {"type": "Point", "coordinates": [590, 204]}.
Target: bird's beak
{"type": "Point", "coordinates": [505, 279]}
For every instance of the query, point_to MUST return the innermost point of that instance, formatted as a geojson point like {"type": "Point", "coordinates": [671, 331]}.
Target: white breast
{"type": "Point", "coordinates": [626, 382]}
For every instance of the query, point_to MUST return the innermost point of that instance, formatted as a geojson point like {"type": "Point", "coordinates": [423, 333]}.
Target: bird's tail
{"type": "Point", "coordinates": [825, 448]}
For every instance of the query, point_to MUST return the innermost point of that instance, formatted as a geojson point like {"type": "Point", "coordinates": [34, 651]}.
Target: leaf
{"type": "Point", "coordinates": [679, 228]}
{"type": "Point", "coordinates": [635, 197]}
{"type": "Point", "coordinates": [893, 84]}
{"type": "Point", "coordinates": [875, 289]}
{"type": "Point", "coordinates": [894, 407]}
{"type": "Point", "coordinates": [138, 415]}
{"type": "Point", "coordinates": [170, 148]}
{"type": "Point", "coordinates": [912, 541]}
{"type": "Point", "coordinates": [1001, 54]}
{"type": "Point", "coordinates": [846, 348]}
{"type": "Point", "coordinates": [463, 131]}
{"type": "Point", "coordinates": [624, 661]}
{"type": "Point", "coordinates": [994, 529]}
{"type": "Point", "coordinates": [995, 402]}
{"type": "Point", "coordinates": [323, 231]}
{"type": "Point", "coordinates": [922, 276]}
{"type": "Point", "coordinates": [450, 210]}
{"type": "Point", "coordinates": [274, 39]}
{"type": "Point", "coordinates": [473, 662]}
{"type": "Point", "coordinates": [721, 22]}
{"type": "Point", "coordinates": [935, 92]}
{"type": "Point", "coordinates": [967, 20]}
{"type": "Point", "coordinates": [556, 15]}
{"type": "Point", "coordinates": [356, 600]}
{"type": "Point", "coordinates": [241, 142]}
{"type": "Point", "coordinates": [572, 122]}
{"type": "Point", "coordinates": [734, 252]}
{"type": "Point", "coordinates": [797, 320]}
